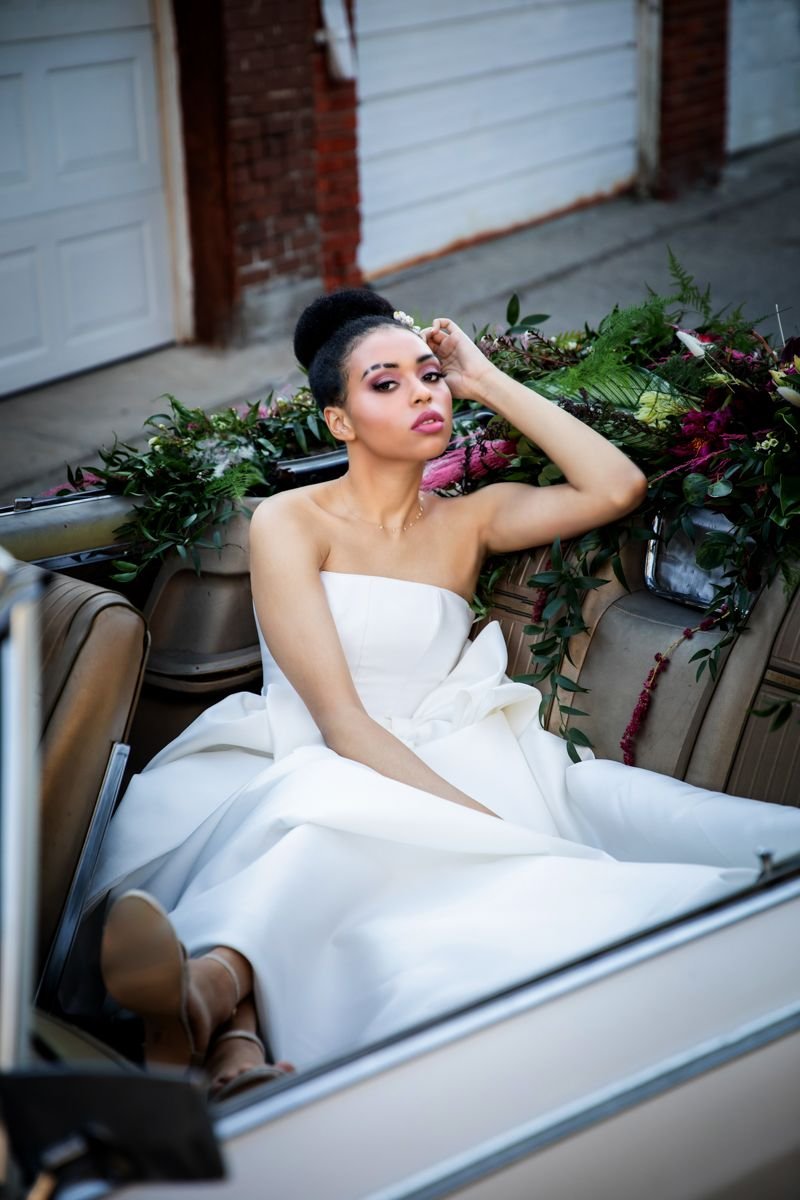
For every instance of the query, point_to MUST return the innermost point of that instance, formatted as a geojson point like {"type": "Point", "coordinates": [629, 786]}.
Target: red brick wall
{"type": "Point", "coordinates": [694, 49]}
{"type": "Point", "coordinates": [292, 181]}
{"type": "Point", "coordinates": [270, 133]}
{"type": "Point", "coordinates": [337, 175]}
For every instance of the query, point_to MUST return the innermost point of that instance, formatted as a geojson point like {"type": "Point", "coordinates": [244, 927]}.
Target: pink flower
{"type": "Point", "coordinates": [702, 433]}
{"type": "Point", "coordinates": [469, 459]}
{"type": "Point", "coordinates": [89, 480]}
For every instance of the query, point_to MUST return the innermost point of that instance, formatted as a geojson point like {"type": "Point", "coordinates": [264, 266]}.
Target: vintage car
{"type": "Point", "coordinates": [664, 1065]}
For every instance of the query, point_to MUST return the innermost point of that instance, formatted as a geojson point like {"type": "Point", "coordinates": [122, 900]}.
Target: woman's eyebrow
{"type": "Point", "coordinates": [393, 366]}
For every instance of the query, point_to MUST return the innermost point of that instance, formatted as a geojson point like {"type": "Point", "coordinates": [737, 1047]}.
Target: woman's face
{"type": "Point", "coordinates": [398, 403]}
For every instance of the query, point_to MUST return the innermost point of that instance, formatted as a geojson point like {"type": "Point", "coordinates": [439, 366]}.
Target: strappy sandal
{"type": "Point", "coordinates": [144, 968]}
{"type": "Point", "coordinates": [265, 1073]}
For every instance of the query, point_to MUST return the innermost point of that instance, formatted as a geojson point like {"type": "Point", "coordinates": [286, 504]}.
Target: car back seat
{"type": "Point", "coordinates": [702, 731]}
{"type": "Point", "coordinates": [93, 649]}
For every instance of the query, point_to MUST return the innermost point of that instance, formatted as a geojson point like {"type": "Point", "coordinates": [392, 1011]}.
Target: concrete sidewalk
{"type": "Point", "coordinates": [743, 238]}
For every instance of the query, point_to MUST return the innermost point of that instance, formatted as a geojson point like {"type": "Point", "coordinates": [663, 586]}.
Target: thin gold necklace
{"type": "Point", "coordinates": [420, 513]}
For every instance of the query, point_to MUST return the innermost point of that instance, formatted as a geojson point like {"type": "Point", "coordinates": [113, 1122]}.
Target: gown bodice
{"type": "Point", "coordinates": [401, 639]}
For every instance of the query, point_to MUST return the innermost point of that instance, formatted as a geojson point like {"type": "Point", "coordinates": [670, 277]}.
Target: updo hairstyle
{"type": "Point", "coordinates": [326, 333]}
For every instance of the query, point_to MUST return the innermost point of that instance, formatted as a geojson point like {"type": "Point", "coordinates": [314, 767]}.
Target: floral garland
{"type": "Point", "coordinates": [705, 406]}
{"type": "Point", "coordinates": [709, 413]}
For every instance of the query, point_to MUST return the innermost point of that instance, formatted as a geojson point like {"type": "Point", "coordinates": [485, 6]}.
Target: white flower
{"type": "Point", "coordinates": [153, 441]}
{"type": "Point", "coordinates": [655, 408]}
{"type": "Point", "coordinates": [221, 455]}
{"type": "Point", "coordinates": [692, 344]}
{"type": "Point", "coordinates": [406, 320]}
{"type": "Point", "coordinates": [789, 394]}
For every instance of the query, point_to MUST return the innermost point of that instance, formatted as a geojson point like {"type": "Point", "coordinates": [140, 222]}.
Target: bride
{"type": "Point", "coordinates": [386, 832]}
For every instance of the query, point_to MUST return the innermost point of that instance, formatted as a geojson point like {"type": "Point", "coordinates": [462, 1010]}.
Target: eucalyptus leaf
{"type": "Point", "coordinates": [694, 488]}
{"type": "Point", "coordinates": [512, 310]}
{"type": "Point", "coordinates": [577, 736]}
{"type": "Point", "coordinates": [568, 685]}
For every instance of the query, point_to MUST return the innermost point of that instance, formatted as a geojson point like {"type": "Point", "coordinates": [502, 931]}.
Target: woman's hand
{"type": "Point", "coordinates": [466, 368]}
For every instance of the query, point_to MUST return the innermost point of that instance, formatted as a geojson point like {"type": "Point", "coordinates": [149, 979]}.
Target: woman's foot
{"type": "Point", "coordinates": [146, 970]}
{"type": "Point", "coordinates": [235, 1065]}
{"type": "Point", "coordinates": [236, 1062]}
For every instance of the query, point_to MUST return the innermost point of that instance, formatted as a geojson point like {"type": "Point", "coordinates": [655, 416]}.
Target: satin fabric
{"type": "Point", "coordinates": [365, 905]}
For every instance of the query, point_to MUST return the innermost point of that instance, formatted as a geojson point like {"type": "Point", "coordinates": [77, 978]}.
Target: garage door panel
{"type": "Point", "coordinates": [106, 281]}
{"type": "Point", "coordinates": [532, 93]}
{"type": "Point", "coordinates": [96, 115]}
{"type": "Point", "coordinates": [22, 309]}
{"type": "Point", "coordinates": [424, 229]}
{"type": "Point", "coordinates": [80, 121]}
{"type": "Point", "coordinates": [15, 166]}
{"type": "Point", "coordinates": [84, 256]}
{"type": "Point", "coordinates": [385, 16]}
{"type": "Point", "coordinates": [418, 58]}
{"type": "Point", "coordinates": [770, 110]}
{"type": "Point", "coordinates": [472, 119]}
{"type": "Point", "coordinates": [764, 72]}
{"type": "Point", "coordinates": [104, 266]}
{"type": "Point", "coordinates": [463, 163]}
{"type": "Point", "coordinates": [22, 19]}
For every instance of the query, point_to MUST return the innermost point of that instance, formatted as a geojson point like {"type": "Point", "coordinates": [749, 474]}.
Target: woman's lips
{"type": "Point", "coordinates": [428, 423]}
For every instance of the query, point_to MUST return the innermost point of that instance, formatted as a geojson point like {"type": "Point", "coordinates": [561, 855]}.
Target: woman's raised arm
{"type": "Point", "coordinates": [296, 621]}
{"type": "Point", "coordinates": [602, 484]}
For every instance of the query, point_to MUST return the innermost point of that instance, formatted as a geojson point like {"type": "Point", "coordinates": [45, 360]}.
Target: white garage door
{"type": "Point", "coordinates": [84, 268]}
{"type": "Point", "coordinates": [476, 115]}
{"type": "Point", "coordinates": [763, 71]}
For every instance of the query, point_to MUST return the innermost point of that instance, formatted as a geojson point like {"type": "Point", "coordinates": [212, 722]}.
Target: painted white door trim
{"type": "Point", "coordinates": [168, 74]}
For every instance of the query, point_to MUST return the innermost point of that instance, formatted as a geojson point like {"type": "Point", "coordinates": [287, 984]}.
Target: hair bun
{"type": "Point", "coordinates": [327, 314]}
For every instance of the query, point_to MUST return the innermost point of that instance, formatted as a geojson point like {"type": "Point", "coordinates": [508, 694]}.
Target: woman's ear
{"type": "Point", "coordinates": [338, 423]}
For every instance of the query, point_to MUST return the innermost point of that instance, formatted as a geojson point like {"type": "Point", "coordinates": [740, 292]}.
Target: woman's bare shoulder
{"type": "Point", "coordinates": [293, 519]}
{"type": "Point", "coordinates": [296, 504]}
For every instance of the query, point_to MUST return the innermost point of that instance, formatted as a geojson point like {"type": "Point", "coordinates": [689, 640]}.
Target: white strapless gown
{"type": "Point", "coordinates": [365, 905]}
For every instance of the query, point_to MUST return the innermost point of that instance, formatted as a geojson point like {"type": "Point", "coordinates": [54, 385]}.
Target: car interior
{"type": "Point", "coordinates": [131, 666]}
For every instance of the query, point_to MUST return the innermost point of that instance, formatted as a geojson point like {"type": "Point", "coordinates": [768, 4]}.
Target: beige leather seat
{"type": "Point", "coordinates": [703, 731]}
{"type": "Point", "coordinates": [93, 649]}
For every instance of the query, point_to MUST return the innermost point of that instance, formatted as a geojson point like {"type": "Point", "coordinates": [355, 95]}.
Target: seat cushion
{"type": "Point", "coordinates": [93, 650]}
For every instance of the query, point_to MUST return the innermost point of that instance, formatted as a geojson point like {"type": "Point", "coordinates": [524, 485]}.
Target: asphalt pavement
{"type": "Point", "coordinates": [742, 237]}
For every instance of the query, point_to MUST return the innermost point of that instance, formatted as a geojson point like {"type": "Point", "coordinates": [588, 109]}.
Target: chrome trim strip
{"type": "Point", "coordinates": [68, 923]}
{"type": "Point", "coordinates": [82, 558]}
{"type": "Point", "coordinates": [328, 1079]}
{"type": "Point", "coordinates": [19, 808]}
{"type": "Point", "coordinates": [47, 503]}
{"type": "Point", "coordinates": [511, 1148]}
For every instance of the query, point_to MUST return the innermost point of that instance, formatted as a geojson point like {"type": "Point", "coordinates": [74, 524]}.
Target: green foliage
{"type": "Point", "coordinates": [558, 619]}
{"type": "Point", "coordinates": [708, 428]}
{"type": "Point", "coordinates": [197, 467]}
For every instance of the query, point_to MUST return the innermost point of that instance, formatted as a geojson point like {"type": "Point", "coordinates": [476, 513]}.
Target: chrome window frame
{"type": "Point", "coordinates": [19, 804]}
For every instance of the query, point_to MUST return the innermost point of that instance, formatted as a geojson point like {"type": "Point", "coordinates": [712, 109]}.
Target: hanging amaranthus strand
{"type": "Point", "coordinates": [662, 661]}
{"type": "Point", "coordinates": [542, 597]}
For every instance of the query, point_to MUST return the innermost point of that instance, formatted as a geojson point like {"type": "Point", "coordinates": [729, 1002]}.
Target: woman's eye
{"type": "Point", "coordinates": [433, 376]}
{"type": "Point", "coordinates": [384, 385]}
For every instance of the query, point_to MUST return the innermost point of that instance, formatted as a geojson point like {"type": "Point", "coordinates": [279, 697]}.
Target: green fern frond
{"type": "Point", "coordinates": [688, 294]}
{"type": "Point", "coordinates": [237, 481]}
